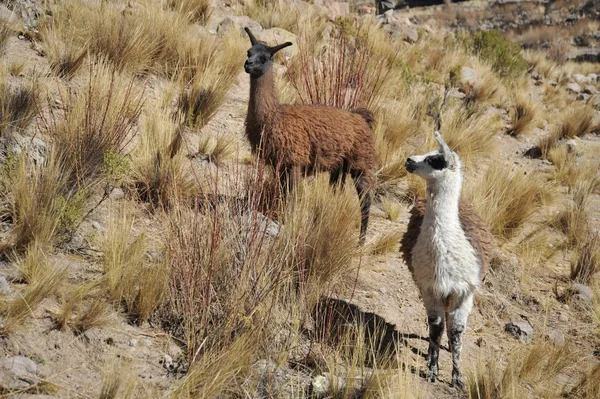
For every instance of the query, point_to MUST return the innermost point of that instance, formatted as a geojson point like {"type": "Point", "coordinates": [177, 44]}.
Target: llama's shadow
{"type": "Point", "coordinates": [335, 319]}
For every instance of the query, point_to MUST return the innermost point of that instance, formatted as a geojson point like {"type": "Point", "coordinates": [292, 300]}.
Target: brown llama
{"type": "Point", "coordinates": [305, 139]}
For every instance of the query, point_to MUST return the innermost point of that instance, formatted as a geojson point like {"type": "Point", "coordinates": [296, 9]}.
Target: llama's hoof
{"type": "Point", "coordinates": [432, 376]}
{"type": "Point", "coordinates": [458, 383]}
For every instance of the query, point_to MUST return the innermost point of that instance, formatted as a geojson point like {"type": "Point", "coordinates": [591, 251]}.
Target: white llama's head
{"type": "Point", "coordinates": [436, 165]}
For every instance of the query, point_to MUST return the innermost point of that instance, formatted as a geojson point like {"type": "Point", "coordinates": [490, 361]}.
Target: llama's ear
{"type": "Point", "coordinates": [444, 147]}
{"type": "Point", "coordinates": [275, 49]}
{"type": "Point", "coordinates": [251, 36]}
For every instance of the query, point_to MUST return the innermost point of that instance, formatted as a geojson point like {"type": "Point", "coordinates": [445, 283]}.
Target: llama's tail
{"type": "Point", "coordinates": [367, 115]}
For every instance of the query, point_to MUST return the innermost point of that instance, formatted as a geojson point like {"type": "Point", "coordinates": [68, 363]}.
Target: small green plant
{"type": "Point", "coordinates": [505, 56]}
{"type": "Point", "coordinates": [116, 167]}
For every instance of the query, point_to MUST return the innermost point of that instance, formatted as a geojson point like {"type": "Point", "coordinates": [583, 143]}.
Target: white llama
{"type": "Point", "coordinates": [446, 248]}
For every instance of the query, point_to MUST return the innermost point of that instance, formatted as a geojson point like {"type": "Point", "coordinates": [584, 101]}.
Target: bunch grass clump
{"type": "Point", "coordinates": [503, 55]}
{"type": "Point", "coordinates": [506, 200]}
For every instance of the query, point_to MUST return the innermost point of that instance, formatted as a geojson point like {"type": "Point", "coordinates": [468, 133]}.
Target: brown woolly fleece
{"type": "Point", "coordinates": [476, 231]}
{"type": "Point", "coordinates": [309, 137]}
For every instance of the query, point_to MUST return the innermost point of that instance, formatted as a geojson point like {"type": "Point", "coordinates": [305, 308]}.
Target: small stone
{"type": "Point", "coordinates": [521, 330]}
{"type": "Point", "coordinates": [584, 97]}
{"type": "Point", "coordinates": [320, 386]}
{"type": "Point", "coordinates": [582, 292]}
{"type": "Point", "coordinates": [555, 336]}
{"type": "Point", "coordinates": [563, 317]}
{"type": "Point", "coordinates": [117, 194]}
{"type": "Point", "coordinates": [573, 88]}
{"type": "Point", "coordinates": [571, 146]}
{"type": "Point", "coordinates": [4, 286]}
{"type": "Point", "coordinates": [593, 77]}
{"type": "Point", "coordinates": [17, 373]}
{"type": "Point", "coordinates": [553, 83]}
{"type": "Point", "coordinates": [132, 342]}
{"type": "Point", "coordinates": [96, 225]}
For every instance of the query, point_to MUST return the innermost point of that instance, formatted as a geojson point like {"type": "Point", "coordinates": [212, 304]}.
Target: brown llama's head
{"type": "Point", "coordinates": [260, 56]}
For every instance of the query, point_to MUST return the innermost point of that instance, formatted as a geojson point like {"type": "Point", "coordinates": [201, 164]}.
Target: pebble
{"type": "Point", "coordinates": [96, 225]}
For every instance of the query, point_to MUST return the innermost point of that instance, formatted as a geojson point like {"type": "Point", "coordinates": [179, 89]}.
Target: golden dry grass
{"type": "Point", "coordinates": [195, 10]}
{"type": "Point", "coordinates": [18, 105]}
{"type": "Point", "coordinates": [522, 115]}
{"type": "Point", "coordinates": [15, 311]}
{"type": "Point", "coordinates": [159, 169]}
{"type": "Point", "coordinates": [385, 243]}
{"type": "Point", "coordinates": [134, 282]}
{"type": "Point", "coordinates": [531, 372]}
{"type": "Point", "coordinates": [506, 200]}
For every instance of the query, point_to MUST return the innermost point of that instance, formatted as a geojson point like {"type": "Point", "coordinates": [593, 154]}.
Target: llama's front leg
{"type": "Point", "coordinates": [457, 325]}
{"type": "Point", "coordinates": [363, 182]}
{"type": "Point", "coordinates": [435, 319]}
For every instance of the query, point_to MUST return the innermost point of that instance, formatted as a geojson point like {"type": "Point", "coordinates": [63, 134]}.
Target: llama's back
{"type": "Point", "coordinates": [477, 233]}
{"type": "Point", "coordinates": [334, 134]}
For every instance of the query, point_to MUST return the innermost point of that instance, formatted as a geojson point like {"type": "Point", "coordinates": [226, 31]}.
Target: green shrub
{"type": "Point", "coordinates": [505, 56]}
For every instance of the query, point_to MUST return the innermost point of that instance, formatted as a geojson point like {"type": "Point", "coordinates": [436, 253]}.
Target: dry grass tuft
{"type": "Point", "coordinates": [534, 371]}
{"type": "Point", "coordinates": [15, 311]}
{"type": "Point", "coordinates": [203, 88]}
{"type": "Point", "coordinates": [196, 11]}
{"type": "Point", "coordinates": [346, 73]}
{"type": "Point", "coordinates": [18, 106]}
{"type": "Point", "coordinates": [506, 200]}
{"type": "Point", "coordinates": [5, 33]}
{"type": "Point", "coordinates": [41, 206]}
{"type": "Point", "coordinates": [64, 55]}
{"type": "Point", "coordinates": [118, 381]}
{"type": "Point", "coordinates": [589, 386]}
{"type": "Point", "coordinates": [522, 115]}
{"type": "Point", "coordinates": [587, 263]}
{"type": "Point", "coordinates": [391, 208]}
{"type": "Point", "coordinates": [385, 243]}
{"type": "Point", "coordinates": [96, 121]}
{"type": "Point", "coordinates": [133, 282]}
{"type": "Point", "coordinates": [159, 172]}
{"type": "Point", "coordinates": [578, 121]}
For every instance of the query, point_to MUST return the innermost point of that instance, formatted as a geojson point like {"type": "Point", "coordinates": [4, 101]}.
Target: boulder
{"type": "Point", "coordinates": [590, 89]}
{"type": "Point", "coordinates": [17, 373]}
{"type": "Point", "coordinates": [469, 78]}
{"type": "Point", "coordinates": [555, 336]}
{"type": "Point", "coordinates": [573, 88]}
{"type": "Point", "coordinates": [521, 330]}
{"type": "Point", "coordinates": [581, 292]}
{"type": "Point", "coordinates": [239, 23]}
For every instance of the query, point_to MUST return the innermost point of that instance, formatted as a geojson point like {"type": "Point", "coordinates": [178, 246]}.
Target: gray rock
{"type": "Point", "coordinates": [117, 194]}
{"type": "Point", "coordinates": [469, 78]}
{"type": "Point", "coordinates": [563, 317]}
{"type": "Point", "coordinates": [584, 97]}
{"type": "Point", "coordinates": [582, 292]}
{"type": "Point", "coordinates": [17, 373]}
{"type": "Point", "coordinates": [593, 77]}
{"type": "Point", "coordinates": [96, 225]}
{"type": "Point", "coordinates": [581, 79]}
{"type": "Point", "coordinates": [520, 330]}
{"type": "Point", "coordinates": [571, 146]}
{"type": "Point", "coordinates": [555, 336]}
{"type": "Point", "coordinates": [553, 83]}
{"type": "Point", "coordinates": [573, 88]}
{"type": "Point", "coordinates": [7, 14]}
{"type": "Point", "coordinates": [271, 380]}
{"type": "Point", "coordinates": [320, 385]}
{"type": "Point", "coordinates": [4, 286]}
{"type": "Point", "coordinates": [590, 89]}
{"type": "Point", "coordinates": [239, 23]}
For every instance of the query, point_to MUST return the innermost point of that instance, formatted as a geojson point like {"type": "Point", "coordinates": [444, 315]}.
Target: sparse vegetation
{"type": "Point", "coordinates": [505, 56]}
{"type": "Point", "coordinates": [505, 200]}
{"type": "Point", "coordinates": [136, 231]}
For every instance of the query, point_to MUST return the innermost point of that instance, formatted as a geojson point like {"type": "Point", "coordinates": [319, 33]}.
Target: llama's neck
{"type": "Point", "coordinates": [263, 102]}
{"type": "Point", "coordinates": [441, 212]}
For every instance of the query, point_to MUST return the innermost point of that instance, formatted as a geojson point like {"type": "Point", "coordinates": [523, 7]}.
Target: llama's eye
{"type": "Point", "coordinates": [263, 59]}
{"type": "Point", "coordinates": [437, 162]}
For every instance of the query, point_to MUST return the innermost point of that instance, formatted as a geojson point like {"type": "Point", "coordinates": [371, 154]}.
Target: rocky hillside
{"type": "Point", "coordinates": [145, 252]}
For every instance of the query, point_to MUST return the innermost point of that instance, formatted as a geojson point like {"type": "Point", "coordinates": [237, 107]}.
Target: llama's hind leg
{"type": "Point", "coordinates": [456, 321]}
{"type": "Point", "coordinates": [338, 176]}
{"type": "Point", "coordinates": [288, 178]}
{"type": "Point", "coordinates": [363, 183]}
{"type": "Point", "coordinates": [435, 319]}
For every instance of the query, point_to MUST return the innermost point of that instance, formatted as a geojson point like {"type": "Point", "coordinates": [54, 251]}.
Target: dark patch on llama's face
{"type": "Point", "coordinates": [437, 162]}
